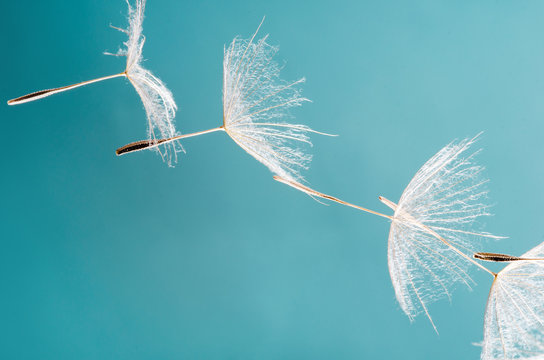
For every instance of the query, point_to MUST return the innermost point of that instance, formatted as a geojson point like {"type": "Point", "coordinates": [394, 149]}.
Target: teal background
{"type": "Point", "coordinates": [125, 258]}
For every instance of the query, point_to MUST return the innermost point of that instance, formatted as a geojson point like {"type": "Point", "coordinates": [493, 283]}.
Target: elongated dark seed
{"type": "Point", "coordinates": [30, 96]}
{"type": "Point", "coordinates": [135, 146]}
{"type": "Point", "coordinates": [495, 257]}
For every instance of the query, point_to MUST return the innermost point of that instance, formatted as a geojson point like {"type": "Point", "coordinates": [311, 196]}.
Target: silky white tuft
{"type": "Point", "coordinates": [255, 102]}
{"type": "Point", "coordinates": [514, 316]}
{"type": "Point", "coordinates": [432, 228]}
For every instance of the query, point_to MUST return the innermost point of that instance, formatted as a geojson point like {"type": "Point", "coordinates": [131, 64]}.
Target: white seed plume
{"type": "Point", "coordinates": [432, 228]}
{"type": "Point", "coordinates": [514, 316]}
{"type": "Point", "coordinates": [256, 101]}
{"type": "Point", "coordinates": [158, 101]}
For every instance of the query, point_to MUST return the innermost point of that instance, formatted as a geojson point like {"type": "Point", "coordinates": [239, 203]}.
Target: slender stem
{"type": "Point", "coordinates": [389, 203]}
{"type": "Point", "coordinates": [45, 93]}
{"type": "Point", "coordinates": [313, 192]}
{"type": "Point", "coordinates": [150, 144]}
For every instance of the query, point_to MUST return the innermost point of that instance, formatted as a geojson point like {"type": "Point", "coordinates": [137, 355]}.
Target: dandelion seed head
{"type": "Point", "coordinates": [255, 103]}
{"type": "Point", "coordinates": [158, 101]}
{"type": "Point", "coordinates": [444, 200]}
{"type": "Point", "coordinates": [514, 316]}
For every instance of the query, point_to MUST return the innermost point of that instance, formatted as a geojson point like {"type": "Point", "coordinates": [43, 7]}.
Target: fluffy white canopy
{"type": "Point", "coordinates": [514, 316]}
{"type": "Point", "coordinates": [255, 103]}
{"type": "Point", "coordinates": [432, 228]}
{"type": "Point", "coordinates": [158, 101]}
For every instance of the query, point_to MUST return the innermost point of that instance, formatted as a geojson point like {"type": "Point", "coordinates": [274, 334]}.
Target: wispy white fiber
{"type": "Point", "coordinates": [432, 229]}
{"type": "Point", "coordinates": [514, 316]}
{"type": "Point", "coordinates": [256, 103]}
{"type": "Point", "coordinates": [158, 101]}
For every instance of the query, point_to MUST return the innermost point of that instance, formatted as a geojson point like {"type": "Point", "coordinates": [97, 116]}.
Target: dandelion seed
{"type": "Point", "coordinates": [431, 228]}
{"type": "Point", "coordinates": [514, 315]}
{"type": "Point", "coordinates": [255, 102]}
{"type": "Point", "coordinates": [158, 101]}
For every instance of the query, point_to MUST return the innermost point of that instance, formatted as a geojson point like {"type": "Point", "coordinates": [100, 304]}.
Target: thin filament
{"type": "Point", "coordinates": [313, 192]}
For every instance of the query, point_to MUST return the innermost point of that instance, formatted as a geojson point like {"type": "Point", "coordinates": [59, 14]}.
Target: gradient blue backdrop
{"type": "Point", "coordinates": [125, 258]}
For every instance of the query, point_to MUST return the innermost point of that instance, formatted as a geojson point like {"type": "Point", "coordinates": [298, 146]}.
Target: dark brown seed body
{"type": "Point", "coordinates": [137, 146]}
{"type": "Point", "coordinates": [30, 96]}
{"type": "Point", "coordinates": [495, 257]}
